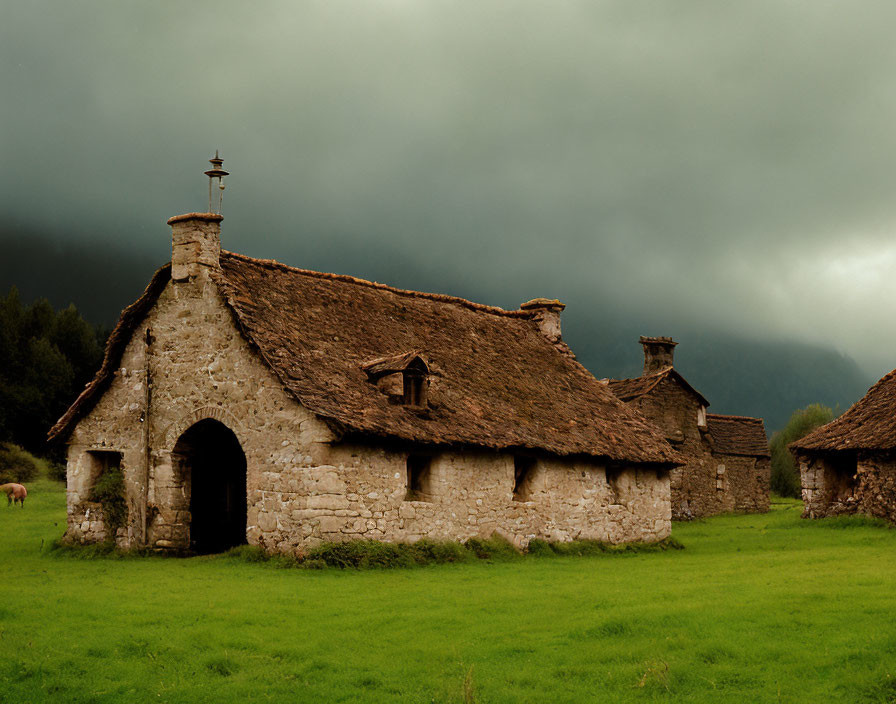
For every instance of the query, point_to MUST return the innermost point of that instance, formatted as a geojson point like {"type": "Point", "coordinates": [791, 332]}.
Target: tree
{"type": "Point", "coordinates": [45, 359]}
{"type": "Point", "coordinates": [785, 474]}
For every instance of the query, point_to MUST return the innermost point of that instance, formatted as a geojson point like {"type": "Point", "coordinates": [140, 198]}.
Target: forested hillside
{"type": "Point", "coordinates": [46, 357]}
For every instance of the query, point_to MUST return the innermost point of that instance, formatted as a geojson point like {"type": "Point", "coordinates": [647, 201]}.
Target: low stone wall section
{"type": "Point", "coordinates": [833, 485]}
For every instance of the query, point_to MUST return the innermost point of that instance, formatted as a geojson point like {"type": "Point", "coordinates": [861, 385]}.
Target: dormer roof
{"type": "Point", "coordinates": [393, 364]}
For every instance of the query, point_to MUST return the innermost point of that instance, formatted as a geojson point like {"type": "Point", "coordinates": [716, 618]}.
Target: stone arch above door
{"type": "Point", "coordinates": [218, 413]}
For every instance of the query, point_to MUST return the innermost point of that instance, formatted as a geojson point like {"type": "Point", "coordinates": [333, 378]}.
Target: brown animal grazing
{"type": "Point", "coordinates": [14, 493]}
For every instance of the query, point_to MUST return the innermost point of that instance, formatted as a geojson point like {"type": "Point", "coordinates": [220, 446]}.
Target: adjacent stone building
{"type": "Point", "coordinates": [849, 465]}
{"type": "Point", "coordinates": [247, 401]}
{"type": "Point", "coordinates": [728, 466]}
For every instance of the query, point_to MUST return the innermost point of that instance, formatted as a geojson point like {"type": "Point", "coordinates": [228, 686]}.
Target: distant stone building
{"type": "Point", "coordinates": [728, 465]}
{"type": "Point", "coordinates": [849, 465]}
{"type": "Point", "coordinates": [247, 401]}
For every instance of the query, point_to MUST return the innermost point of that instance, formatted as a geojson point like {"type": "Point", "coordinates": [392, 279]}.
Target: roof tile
{"type": "Point", "coordinates": [738, 435]}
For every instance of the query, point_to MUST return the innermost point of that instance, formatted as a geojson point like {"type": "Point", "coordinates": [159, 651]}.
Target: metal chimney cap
{"type": "Point", "coordinates": [216, 171]}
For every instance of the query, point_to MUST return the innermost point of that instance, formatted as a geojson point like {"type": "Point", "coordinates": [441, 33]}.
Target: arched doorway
{"type": "Point", "coordinates": [213, 468]}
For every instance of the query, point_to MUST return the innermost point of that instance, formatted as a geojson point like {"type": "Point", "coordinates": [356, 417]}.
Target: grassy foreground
{"type": "Point", "coordinates": [757, 608]}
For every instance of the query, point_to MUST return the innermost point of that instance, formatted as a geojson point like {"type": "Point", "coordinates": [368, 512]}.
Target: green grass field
{"type": "Point", "coordinates": [757, 608]}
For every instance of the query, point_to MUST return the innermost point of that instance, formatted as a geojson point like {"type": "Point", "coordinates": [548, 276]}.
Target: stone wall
{"type": "Point", "coordinates": [303, 485]}
{"type": "Point", "coordinates": [744, 484]}
{"type": "Point", "coordinates": [841, 483]}
{"type": "Point", "coordinates": [362, 492]}
{"type": "Point", "coordinates": [828, 485]}
{"type": "Point", "coordinates": [693, 485]}
{"type": "Point", "coordinates": [875, 493]}
{"type": "Point", "coordinates": [708, 483]}
{"type": "Point", "coordinates": [200, 367]}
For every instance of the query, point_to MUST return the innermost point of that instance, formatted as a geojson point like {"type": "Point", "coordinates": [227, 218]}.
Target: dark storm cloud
{"type": "Point", "coordinates": [701, 163]}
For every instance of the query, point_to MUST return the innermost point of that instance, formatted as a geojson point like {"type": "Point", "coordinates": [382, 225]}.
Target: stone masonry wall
{"type": "Point", "coordinates": [362, 493]}
{"type": "Point", "coordinates": [876, 491]}
{"type": "Point", "coordinates": [746, 482]}
{"type": "Point", "coordinates": [693, 485]}
{"type": "Point", "coordinates": [833, 485]}
{"type": "Point", "coordinates": [201, 367]}
{"type": "Point", "coordinates": [828, 486]}
{"type": "Point", "coordinates": [708, 483]}
{"type": "Point", "coordinates": [304, 486]}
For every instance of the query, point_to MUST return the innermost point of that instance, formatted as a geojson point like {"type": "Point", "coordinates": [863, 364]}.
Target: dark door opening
{"type": "Point", "coordinates": [216, 477]}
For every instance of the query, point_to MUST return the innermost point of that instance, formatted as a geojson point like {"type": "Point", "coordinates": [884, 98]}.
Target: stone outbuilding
{"type": "Point", "coordinates": [248, 401]}
{"type": "Point", "coordinates": [849, 464]}
{"type": "Point", "coordinates": [728, 464]}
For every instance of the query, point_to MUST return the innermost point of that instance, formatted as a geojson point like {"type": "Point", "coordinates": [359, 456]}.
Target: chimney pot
{"type": "Point", "coordinates": [546, 314]}
{"type": "Point", "coordinates": [658, 352]}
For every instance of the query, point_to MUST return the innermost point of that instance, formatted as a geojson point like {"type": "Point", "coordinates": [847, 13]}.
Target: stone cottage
{"type": "Point", "coordinates": [728, 465]}
{"type": "Point", "coordinates": [849, 465]}
{"type": "Point", "coordinates": [248, 401]}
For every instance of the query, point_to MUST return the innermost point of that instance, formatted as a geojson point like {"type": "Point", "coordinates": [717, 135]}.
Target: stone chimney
{"type": "Point", "coordinates": [546, 314]}
{"type": "Point", "coordinates": [658, 353]}
{"type": "Point", "coordinates": [195, 244]}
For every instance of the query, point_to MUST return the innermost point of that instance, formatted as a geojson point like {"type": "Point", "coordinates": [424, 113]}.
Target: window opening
{"type": "Point", "coordinates": [619, 486]}
{"type": "Point", "coordinates": [720, 478]}
{"type": "Point", "coordinates": [102, 461]}
{"type": "Point", "coordinates": [413, 389]}
{"type": "Point", "coordinates": [414, 380]}
{"type": "Point", "coordinates": [523, 472]}
{"type": "Point", "coordinates": [419, 479]}
{"type": "Point", "coordinates": [843, 476]}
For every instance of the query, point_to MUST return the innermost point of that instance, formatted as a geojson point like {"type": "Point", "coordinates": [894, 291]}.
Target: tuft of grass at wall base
{"type": "Point", "coordinates": [373, 554]}
{"type": "Point", "coordinates": [590, 548]}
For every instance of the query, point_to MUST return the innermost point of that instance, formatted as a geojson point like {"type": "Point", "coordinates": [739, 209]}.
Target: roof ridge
{"type": "Point", "coordinates": [346, 278]}
{"type": "Point", "coordinates": [885, 378]}
{"type": "Point", "coordinates": [660, 372]}
{"type": "Point", "coordinates": [730, 417]}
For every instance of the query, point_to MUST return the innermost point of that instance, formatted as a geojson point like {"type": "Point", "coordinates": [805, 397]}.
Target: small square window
{"type": "Point", "coordinates": [419, 478]}
{"type": "Point", "coordinates": [102, 461]}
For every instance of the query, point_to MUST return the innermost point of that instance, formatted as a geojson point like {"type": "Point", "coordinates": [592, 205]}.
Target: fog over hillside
{"type": "Point", "coordinates": [679, 166]}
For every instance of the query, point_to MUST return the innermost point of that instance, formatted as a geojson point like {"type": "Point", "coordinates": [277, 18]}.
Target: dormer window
{"type": "Point", "coordinates": [404, 378]}
{"type": "Point", "coordinates": [414, 378]}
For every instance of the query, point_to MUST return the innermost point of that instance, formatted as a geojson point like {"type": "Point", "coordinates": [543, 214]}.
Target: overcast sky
{"type": "Point", "coordinates": [732, 164]}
